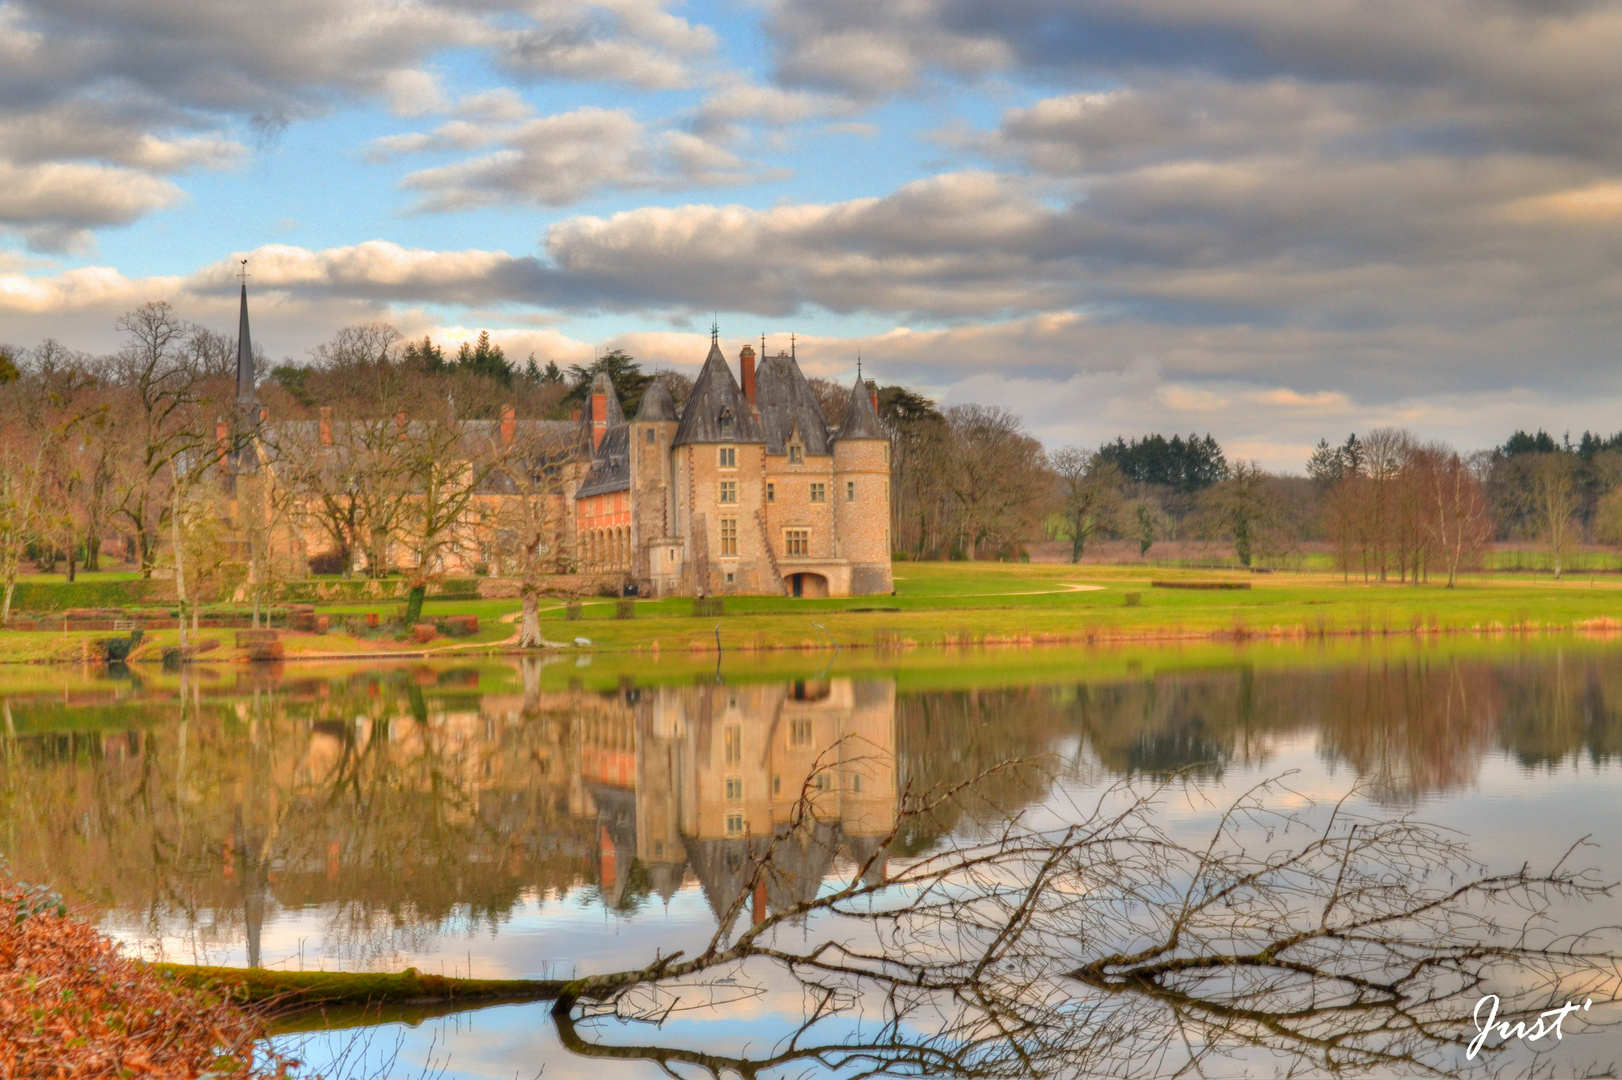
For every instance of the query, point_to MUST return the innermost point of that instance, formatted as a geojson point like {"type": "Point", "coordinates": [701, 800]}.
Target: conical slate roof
{"type": "Point", "coordinates": [861, 422]}
{"type": "Point", "coordinates": [657, 405]}
{"type": "Point", "coordinates": [715, 399]}
{"type": "Point", "coordinates": [785, 402]}
{"type": "Point", "coordinates": [245, 374]}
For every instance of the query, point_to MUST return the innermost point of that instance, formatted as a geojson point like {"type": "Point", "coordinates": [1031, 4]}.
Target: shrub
{"type": "Point", "coordinates": [459, 625]}
{"type": "Point", "coordinates": [422, 633]}
{"type": "Point", "coordinates": [708, 606]}
{"type": "Point", "coordinates": [625, 609]}
{"type": "Point", "coordinates": [327, 562]}
{"type": "Point", "coordinates": [1133, 599]}
{"type": "Point", "coordinates": [571, 610]}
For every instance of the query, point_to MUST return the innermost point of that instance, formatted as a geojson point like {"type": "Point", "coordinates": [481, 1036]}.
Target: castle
{"type": "Point", "coordinates": [745, 490]}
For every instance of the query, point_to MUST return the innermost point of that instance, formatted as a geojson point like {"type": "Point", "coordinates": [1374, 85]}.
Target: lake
{"type": "Point", "coordinates": [553, 819]}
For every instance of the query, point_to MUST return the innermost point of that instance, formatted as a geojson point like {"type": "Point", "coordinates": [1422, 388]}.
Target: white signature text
{"type": "Point", "coordinates": [1541, 1027]}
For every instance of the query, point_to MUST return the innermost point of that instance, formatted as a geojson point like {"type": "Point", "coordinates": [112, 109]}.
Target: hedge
{"type": "Point", "coordinates": [61, 595]}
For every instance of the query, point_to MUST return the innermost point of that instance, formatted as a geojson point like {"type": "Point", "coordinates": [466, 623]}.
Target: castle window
{"type": "Point", "coordinates": [734, 824]}
{"type": "Point", "coordinates": [771, 492]}
{"type": "Point", "coordinates": [731, 577]}
{"type": "Point", "coordinates": [777, 785]}
{"type": "Point", "coordinates": [729, 491]}
{"type": "Point", "coordinates": [819, 492]}
{"type": "Point", "coordinates": [733, 743]}
{"type": "Point", "coordinates": [799, 733]}
{"type": "Point", "coordinates": [726, 424]}
{"type": "Point", "coordinates": [649, 436]}
{"type": "Point", "coordinates": [850, 491]}
{"type": "Point", "coordinates": [734, 789]}
{"type": "Point", "coordinates": [729, 457]}
{"type": "Point", "coordinates": [823, 781]}
{"type": "Point", "coordinates": [796, 455]}
{"type": "Point", "coordinates": [729, 538]}
{"type": "Point", "coordinates": [797, 541]}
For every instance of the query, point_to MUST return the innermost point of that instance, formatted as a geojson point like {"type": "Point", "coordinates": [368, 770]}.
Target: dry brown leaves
{"type": "Point", "coordinates": [72, 1006]}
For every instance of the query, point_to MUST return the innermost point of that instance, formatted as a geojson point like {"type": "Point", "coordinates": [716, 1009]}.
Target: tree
{"type": "Point", "coordinates": [530, 471]}
{"type": "Point", "coordinates": [1457, 517]}
{"type": "Point", "coordinates": [630, 381]}
{"type": "Point", "coordinates": [1089, 493]}
{"type": "Point", "coordinates": [443, 470]}
{"type": "Point", "coordinates": [485, 359]}
{"type": "Point", "coordinates": [1551, 499]}
{"type": "Point", "coordinates": [1245, 510]}
{"type": "Point", "coordinates": [997, 477]}
{"type": "Point", "coordinates": [1146, 527]}
{"type": "Point", "coordinates": [1334, 942]}
{"type": "Point", "coordinates": [1329, 465]}
{"type": "Point", "coordinates": [163, 418]}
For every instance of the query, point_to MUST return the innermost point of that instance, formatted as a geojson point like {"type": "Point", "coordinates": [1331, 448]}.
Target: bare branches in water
{"type": "Point", "coordinates": [1287, 938]}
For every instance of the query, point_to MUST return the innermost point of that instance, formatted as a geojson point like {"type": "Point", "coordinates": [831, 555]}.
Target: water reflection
{"type": "Point", "coordinates": [404, 805]}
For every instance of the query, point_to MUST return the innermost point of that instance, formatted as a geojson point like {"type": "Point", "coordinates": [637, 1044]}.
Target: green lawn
{"type": "Point", "coordinates": [990, 603]}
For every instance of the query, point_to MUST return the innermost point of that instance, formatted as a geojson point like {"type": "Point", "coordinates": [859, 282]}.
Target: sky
{"type": "Point", "coordinates": [1268, 220]}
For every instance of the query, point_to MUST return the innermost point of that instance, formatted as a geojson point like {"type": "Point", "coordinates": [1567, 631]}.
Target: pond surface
{"type": "Point", "coordinates": [515, 819]}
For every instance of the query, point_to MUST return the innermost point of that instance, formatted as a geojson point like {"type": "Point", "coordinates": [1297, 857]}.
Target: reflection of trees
{"type": "Point", "coordinates": [406, 802]}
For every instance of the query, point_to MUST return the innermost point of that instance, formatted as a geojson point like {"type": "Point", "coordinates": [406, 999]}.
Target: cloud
{"type": "Point", "coordinates": [163, 86]}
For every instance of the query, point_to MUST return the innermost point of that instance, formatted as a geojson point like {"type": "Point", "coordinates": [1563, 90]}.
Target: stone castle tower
{"type": "Point", "coordinates": [745, 490]}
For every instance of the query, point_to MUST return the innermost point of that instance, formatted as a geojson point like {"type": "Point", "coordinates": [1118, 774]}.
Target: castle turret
{"type": "Point", "coordinates": [656, 557]}
{"type": "Point", "coordinates": [862, 493]}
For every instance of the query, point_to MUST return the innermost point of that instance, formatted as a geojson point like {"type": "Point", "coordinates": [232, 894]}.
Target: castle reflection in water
{"type": "Point", "coordinates": [398, 802]}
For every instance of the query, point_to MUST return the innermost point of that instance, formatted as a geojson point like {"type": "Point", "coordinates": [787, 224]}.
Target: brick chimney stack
{"type": "Point", "coordinates": [509, 425]}
{"type": "Point", "coordinates": [326, 425]}
{"type": "Point", "coordinates": [746, 369]}
{"type": "Point", "coordinates": [599, 418]}
{"type": "Point", "coordinates": [873, 395]}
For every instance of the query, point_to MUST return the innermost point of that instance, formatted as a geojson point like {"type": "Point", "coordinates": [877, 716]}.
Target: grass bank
{"type": "Point", "coordinates": [961, 604]}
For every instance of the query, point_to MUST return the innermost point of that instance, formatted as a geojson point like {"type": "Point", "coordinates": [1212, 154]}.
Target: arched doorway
{"type": "Point", "coordinates": [804, 584]}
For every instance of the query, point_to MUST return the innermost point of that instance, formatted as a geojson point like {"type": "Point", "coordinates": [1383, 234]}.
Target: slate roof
{"type": "Point", "coordinates": [611, 464]}
{"type": "Point", "coordinates": [657, 404]}
{"type": "Point", "coordinates": [716, 394]}
{"type": "Point", "coordinates": [861, 422]}
{"type": "Point", "coordinates": [784, 401]}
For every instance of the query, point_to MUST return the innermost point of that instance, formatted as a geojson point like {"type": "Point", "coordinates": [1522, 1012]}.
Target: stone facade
{"type": "Point", "coordinates": [746, 490]}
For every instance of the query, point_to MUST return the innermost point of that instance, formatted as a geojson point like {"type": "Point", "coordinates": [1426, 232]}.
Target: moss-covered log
{"type": "Point", "coordinates": [299, 989]}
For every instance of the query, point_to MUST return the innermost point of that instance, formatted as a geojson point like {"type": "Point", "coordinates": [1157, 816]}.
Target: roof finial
{"type": "Point", "coordinates": [715, 329]}
{"type": "Point", "coordinates": [763, 348]}
{"type": "Point", "coordinates": [791, 346]}
{"type": "Point", "coordinates": [858, 365]}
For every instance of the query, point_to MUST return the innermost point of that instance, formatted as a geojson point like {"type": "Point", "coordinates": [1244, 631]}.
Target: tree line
{"type": "Point", "coordinates": [383, 445]}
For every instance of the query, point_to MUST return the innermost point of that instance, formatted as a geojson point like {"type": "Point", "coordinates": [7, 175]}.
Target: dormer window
{"type": "Point", "coordinates": [726, 423]}
{"type": "Point", "coordinates": [796, 455]}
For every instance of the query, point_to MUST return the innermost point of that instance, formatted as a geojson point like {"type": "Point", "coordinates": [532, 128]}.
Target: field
{"type": "Point", "coordinates": [981, 603]}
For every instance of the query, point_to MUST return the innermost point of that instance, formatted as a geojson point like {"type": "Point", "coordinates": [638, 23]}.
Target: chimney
{"type": "Point", "coordinates": [873, 395]}
{"type": "Point", "coordinates": [326, 425]}
{"type": "Point", "coordinates": [509, 424]}
{"type": "Point", "coordinates": [746, 369]}
{"type": "Point", "coordinates": [222, 438]}
{"type": "Point", "coordinates": [599, 418]}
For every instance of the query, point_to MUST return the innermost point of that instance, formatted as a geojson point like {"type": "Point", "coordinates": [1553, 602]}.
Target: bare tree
{"type": "Point", "coordinates": [529, 471]}
{"type": "Point", "coordinates": [1089, 490]}
{"type": "Point", "coordinates": [997, 477]}
{"type": "Point", "coordinates": [1551, 498]}
{"type": "Point", "coordinates": [1457, 520]}
{"type": "Point", "coordinates": [1327, 941]}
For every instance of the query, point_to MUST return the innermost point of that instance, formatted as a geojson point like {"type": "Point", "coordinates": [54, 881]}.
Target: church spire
{"type": "Point", "coordinates": [245, 373]}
